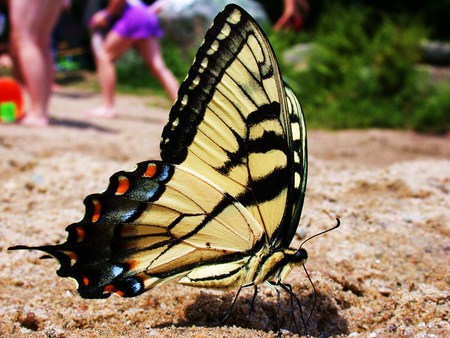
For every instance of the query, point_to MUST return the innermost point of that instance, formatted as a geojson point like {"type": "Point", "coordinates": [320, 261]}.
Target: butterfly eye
{"type": "Point", "coordinates": [300, 256]}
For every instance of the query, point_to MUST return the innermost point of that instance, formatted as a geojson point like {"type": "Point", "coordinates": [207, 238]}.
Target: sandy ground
{"type": "Point", "coordinates": [385, 272]}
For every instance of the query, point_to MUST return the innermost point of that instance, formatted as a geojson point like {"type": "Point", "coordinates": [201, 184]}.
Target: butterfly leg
{"type": "Point", "coordinates": [273, 286]}
{"type": "Point", "coordinates": [236, 297]}
{"type": "Point", "coordinates": [255, 292]}
{"type": "Point", "coordinates": [288, 289]}
{"type": "Point", "coordinates": [278, 310]}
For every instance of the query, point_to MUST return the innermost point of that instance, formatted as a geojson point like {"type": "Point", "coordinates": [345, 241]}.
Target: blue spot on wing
{"type": "Point", "coordinates": [116, 270]}
{"type": "Point", "coordinates": [165, 173]}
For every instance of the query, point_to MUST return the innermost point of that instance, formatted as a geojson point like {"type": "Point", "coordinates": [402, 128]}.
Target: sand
{"type": "Point", "coordinates": [384, 272]}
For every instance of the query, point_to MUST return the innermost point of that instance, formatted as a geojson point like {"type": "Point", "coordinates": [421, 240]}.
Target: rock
{"type": "Point", "coordinates": [298, 56]}
{"type": "Point", "coordinates": [436, 53]}
{"type": "Point", "coordinates": [186, 21]}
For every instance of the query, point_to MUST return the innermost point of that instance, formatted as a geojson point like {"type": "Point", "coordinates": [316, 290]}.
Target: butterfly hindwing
{"type": "Point", "coordinates": [156, 223]}
{"type": "Point", "coordinates": [231, 123]}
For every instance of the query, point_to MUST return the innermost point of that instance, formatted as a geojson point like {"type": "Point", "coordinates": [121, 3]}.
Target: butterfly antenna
{"type": "Point", "coordinates": [338, 223]}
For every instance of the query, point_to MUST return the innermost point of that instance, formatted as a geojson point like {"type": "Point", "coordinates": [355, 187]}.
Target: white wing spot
{"type": "Point", "coordinates": [235, 17]}
{"type": "Point", "coordinates": [225, 32]}
{"type": "Point", "coordinates": [214, 47]}
{"type": "Point", "coordinates": [194, 83]}
{"type": "Point", "coordinates": [184, 101]}
{"type": "Point", "coordinates": [203, 65]}
{"type": "Point", "coordinates": [295, 131]}
{"type": "Point", "coordinates": [175, 123]}
{"type": "Point", "coordinates": [297, 179]}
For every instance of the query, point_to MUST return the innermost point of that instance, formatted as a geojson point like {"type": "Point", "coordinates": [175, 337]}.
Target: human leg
{"type": "Point", "coordinates": [106, 75]}
{"type": "Point", "coordinates": [150, 52]}
{"type": "Point", "coordinates": [106, 51]}
{"type": "Point", "coordinates": [32, 22]}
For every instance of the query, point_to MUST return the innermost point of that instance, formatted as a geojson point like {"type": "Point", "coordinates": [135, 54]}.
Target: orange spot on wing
{"type": "Point", "coordinates": [80, 234]}
{"type": "Point", "coordinates": [111, 288]}
{"type": "Point", "coordinates": [97, 210]}
{"type": "Point", "coordinates": [124, 185]}
{"type": "Point", "coordinates": [120, 293]}
{"type": "Point", "coordinates": [85, 280]}
{"type": "Point", "coordinates": [151, 170]}
{"type": "Point", "coordinates": [132, 264]}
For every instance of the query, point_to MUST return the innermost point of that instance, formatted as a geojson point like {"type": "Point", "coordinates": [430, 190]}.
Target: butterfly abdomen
{"type": "Point", "coordinates": [263, 265]}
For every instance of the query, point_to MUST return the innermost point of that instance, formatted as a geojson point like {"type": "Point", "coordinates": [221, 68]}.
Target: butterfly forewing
{"type": "Point", "coordinates": [230, 122]}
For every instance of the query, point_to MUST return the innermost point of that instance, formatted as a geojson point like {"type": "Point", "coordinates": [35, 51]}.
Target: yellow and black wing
{"type": "Point", "coordinates": [236, 123]}
{"type": "Point", "coordinates": [153, 224]}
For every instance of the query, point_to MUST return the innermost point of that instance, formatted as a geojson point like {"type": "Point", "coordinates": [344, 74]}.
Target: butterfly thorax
{"type": "Point", "coordinates": [276, 265]}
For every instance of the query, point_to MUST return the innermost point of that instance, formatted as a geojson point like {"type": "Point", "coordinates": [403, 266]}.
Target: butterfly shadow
{"type": "Point", "coordinates": [157, 119]}
{"type": "Point", "coordinates": [63, 122]}
{"type": "Point", "coordinates": [74, 94]}
{"type": "Point", "coordinates": [209, 310]}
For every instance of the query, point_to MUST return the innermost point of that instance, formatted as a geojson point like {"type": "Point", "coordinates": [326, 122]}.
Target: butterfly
{"type": "Point", "coordinates": [222, 206]}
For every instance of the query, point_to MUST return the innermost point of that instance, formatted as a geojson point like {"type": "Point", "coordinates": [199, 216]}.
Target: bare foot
{"type": "Point", "coordinates": [56, 86]}
{"type": "Point", "coordinates": [34, 121]}
{"type": "Point", "coordinates": [5, 61]}
{"type": "Point", "coordinates": [102, 112]}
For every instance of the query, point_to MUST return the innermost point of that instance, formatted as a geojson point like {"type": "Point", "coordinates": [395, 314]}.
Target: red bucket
{"type": "Point", "coordinates": [11, 100]}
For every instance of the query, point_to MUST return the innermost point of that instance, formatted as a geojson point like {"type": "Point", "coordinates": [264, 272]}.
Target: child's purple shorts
{"type": "Point", "coordinates": [138, 22]}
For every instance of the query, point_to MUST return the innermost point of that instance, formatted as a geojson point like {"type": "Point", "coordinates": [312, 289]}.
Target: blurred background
{"type": "Point", "coordinates": [354, 64]}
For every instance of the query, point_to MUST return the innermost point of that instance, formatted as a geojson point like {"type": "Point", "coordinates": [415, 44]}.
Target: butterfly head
{"type": "Point", "coordinates": [300, 256]}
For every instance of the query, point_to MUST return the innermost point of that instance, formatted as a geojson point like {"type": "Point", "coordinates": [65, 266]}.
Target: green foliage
{"type": "Point", "coordinates": [433, 115]}
{"type": "Point", "coordinates": [133, 76]}
{"type": "Point", "coordinates": [362, 72]}
{"type": "Point", "coordinates": [176, 59]}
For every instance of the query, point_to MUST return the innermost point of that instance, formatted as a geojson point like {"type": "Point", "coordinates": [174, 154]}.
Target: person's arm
{"type": "Point", "coordinates": [101, 18]}
{"type": "Point", "coordinates": [158, 5]}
